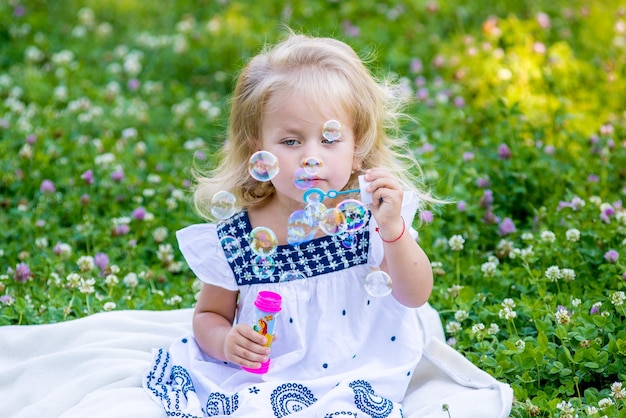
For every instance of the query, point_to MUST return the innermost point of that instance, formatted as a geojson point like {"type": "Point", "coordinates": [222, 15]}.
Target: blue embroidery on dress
{"type": "Point", "coordinates": [181, 380]}
{"type": "Point", "coordinates": [291, 397]}
{"type": "Point", "coordinates": [164, 389]}
{"type": "Point", "coordinates": [316, 257]}
{"type": "Point", "coordinates": [220, 404]}
{"type": "Point", "coordinates": [367, 401]}
{"type": "Point", "coordinates": [342, 413]}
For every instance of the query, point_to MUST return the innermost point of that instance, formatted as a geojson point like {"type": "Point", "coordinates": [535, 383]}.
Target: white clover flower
{"type": "Point", "coordinates": [617, 391]}
{"type": "Point", "coordinates": [85, 263]}
{"type": "Point", "coordinates": [175, 266]}
{"type": "Point", "coordinates": [489, 268]}
{"type": "Point", "coordinates": [60, 93]}
{"type": "Point", "coordinates": [132, 64]}
{"type": "Point", "coordinates": [109, 306]}
{"type": "Point", "coordinates": [527, 236]}
{"type": "Point", "coordinates": [437, 268]}
{"type": "Point", "coordinates": [493, 329]}
{"type": "Point", "coordinates": [507, 313]}
{"type": "Point", "coordinates": [41, 242]}
{"type": "Point", "coordinates": [572, 235]}
{"type": "Point", "coordinates": [153, 178]}
{"type": "Point", "coordinates": [568, 275]}
{"type": "Point", "coordinates": [63, 58]}
{"type": "Point", "coordinates": [562, 316]}
{"type": "Point", "coordinates": [548, 236]}
{"type": "Point", "coordinates": [54, 279]}
{"type": "Point", "coordinates": [527, 253]}
{"type": "Point", "coordinates": [174, 300]}
{"type": "Point", "coordinates": [477, 330]}
{"type": "Point", "coordinates": [456, 242]}
{"type": "Point", "coordinates": [605, 403]}
{"type": "Point", "coordinates": [171, 203]}
{"type": "Point", "coordinates": [140, 149]}
{"type": "Point", "coordinates": [111, 280]}
{"type": "Point", "coordinates": [620, 217]}
{"type": "Point", "coordinates": [520, 345]}
{"type": "Point", "coordinates": [461, 315]}
{"type": "Point", "coordinates": [576, 302]}
{"type": "Point", "coordinates": [566, 408]}
{"type": "Point", "coordinates": [26, 152]}
{"type": "Point", "coordinates": [596, 200]}
{"type": "Point", "coordinates": [605, 314]}
{"type": "Point", "coordinates": [105, 160]}
{"type": "Point", "coordinates": [114, 268]}
{"type": "Point", "coordinates": [592, 410]}
{"type": "Point", "coordinates": [178, 194]}
{"type": "Point", "coordinates": [32, 54]}
{"type": "Point", "coordinates": [553, 273]}
{"type": "Point", "coordinates": [165, 253]}
{"type": "Point", "coordinates": [86, 286]}
{"type": "Point", "coordinates": [160, 234]}
{"type": "Point", "coordinates": [454, 290]}
{"type": "Point", "coordinates": [131, 280]}
{"type": "Point", "coordinates": [508, 303]}
{"type": "Point", "coordinates": [73, 280]}
{"type": "Point", "coordinates": [617, 298]}
{"type": "Point", "coordinates": [453, 327]}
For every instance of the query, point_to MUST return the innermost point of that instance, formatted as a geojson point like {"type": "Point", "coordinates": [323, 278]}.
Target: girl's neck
{"type": "Point", "coordinates": [274, 213]}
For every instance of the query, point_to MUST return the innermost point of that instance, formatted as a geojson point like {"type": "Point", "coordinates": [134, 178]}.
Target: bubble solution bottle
{"type": "Point", "coordinates": [267, 304]}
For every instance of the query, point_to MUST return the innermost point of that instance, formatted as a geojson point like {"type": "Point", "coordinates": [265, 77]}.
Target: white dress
{"type": "Point", "coordinates": [338, 351]}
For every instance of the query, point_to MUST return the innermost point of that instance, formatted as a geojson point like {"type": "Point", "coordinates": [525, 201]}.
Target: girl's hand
{"type": "Point", "coordinates": [245, 347]}
{"type": "Point", "coordinates": [387, 201]}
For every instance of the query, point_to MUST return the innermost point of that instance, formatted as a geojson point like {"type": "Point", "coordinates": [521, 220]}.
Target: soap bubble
{"type": "Point", "coordinates": [333, 222]}
{"type": "Point", "coordinates": [263, 266]}
{"type": "Point", "coordinates": [231, 247]}
{"type": "Point", "coordinates": [378, 284]}
{"type": "Point", "coordinates": [331, 130]}
{"type": "Point", "coordinates": [291, 275]}
{"type": "Point", "coordinates": [223, 205]}
{"type": "Point", "coordinates": [302, 179]}
{"type": "Point", "coordinates": [299, 229]}
{"type": "Point", "coordinates": [293, 285]}
{"type": "Point", "coordinates": [311, 165]}
{"type": "Point", "coordinates": [355, 213]}
{"type": "Point", "coordinates": [263, 241]}
{"type": "Point", "coordinates": [263, 166]}
{"type": "Point", "coordinates": [349, 240]}
{"type": "Point", "coordinates": [314, 212]}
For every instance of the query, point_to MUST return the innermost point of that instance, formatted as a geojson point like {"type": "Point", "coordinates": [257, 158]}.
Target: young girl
{"type": "Point", "coordinates": [337, 350]}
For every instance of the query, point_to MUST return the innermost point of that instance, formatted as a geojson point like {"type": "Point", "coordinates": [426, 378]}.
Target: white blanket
{"type": "Point", "coordinates": [92, 367]}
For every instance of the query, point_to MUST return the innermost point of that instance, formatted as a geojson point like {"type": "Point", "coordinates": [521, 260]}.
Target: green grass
{"type": "Point", "coordinates": [521, 121]}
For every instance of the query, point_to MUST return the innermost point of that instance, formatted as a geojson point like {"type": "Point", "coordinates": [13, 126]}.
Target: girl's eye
{"type": "Point", "coordinates": [329, 142]}
{"type": "Point", "coordinates": [290, 141]}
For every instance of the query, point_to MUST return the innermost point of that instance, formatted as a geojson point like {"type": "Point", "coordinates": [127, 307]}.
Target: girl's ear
{"type": "Point", "coordinates": [357, 163]}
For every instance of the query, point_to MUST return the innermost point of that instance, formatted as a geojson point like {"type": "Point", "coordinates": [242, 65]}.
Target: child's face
{"type": "Point", "coordinates": [291, 129]}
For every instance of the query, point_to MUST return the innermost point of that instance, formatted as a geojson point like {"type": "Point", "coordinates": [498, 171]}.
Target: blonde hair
{"type": "Point", "coordinates": [326, 71]}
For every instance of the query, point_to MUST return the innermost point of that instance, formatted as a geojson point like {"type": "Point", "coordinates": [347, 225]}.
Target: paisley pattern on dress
{"type": "Point", "coordinates": [220, 404]}
{"type": "Point", "coordinates": [367, 401]}
{"type": "Point", "coordinates": [289, 398]}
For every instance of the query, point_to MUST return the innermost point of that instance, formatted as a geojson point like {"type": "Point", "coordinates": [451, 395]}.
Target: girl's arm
{"type": "Point", "coordinates": [215, 334]}
{"type": "Point", "coordinates": [404, 260]}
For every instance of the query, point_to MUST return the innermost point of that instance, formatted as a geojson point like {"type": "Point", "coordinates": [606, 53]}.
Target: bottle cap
{"type": "Point", "coordinates": [268, 301]}
{"type": "Point", "coordinates": [261, 370]}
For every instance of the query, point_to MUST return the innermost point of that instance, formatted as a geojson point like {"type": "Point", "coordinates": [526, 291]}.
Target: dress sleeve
{"type": "Point", "coordinates": [410, 203]}
{"type": "Point", "coordinates": [203, 253]}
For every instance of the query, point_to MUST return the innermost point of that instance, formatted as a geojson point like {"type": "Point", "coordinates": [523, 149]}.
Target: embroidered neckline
{"type": "Point", "coordinates": [313, 258]}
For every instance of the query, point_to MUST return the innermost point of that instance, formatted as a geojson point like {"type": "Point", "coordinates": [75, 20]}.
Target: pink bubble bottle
{"type": "Point", "coordinates": [268, 304]}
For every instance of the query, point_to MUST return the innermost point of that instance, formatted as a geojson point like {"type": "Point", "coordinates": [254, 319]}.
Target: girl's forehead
{"type": "Point", "coordinates": [318, 105]}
